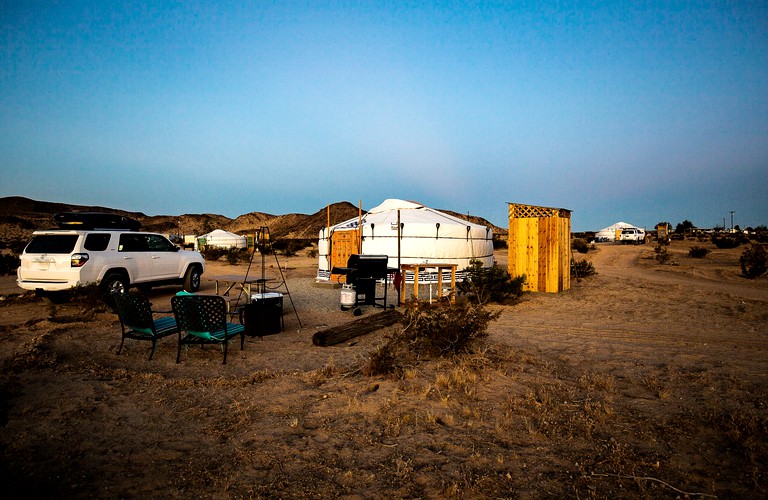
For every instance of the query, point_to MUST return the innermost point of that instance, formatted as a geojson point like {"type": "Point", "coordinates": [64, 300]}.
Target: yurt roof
{"type": "Point", "coordinates": [618, 225]}
{"type": "Point", "coordinates": [220, 233]}
{"type": "Point", "coordinates": [410, 212]}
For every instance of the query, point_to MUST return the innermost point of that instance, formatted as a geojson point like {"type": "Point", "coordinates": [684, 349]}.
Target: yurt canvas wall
{"type": "Point", "coordinates": [540, 247]}
{"type": "Point", "coordinates": [222, 239]}
{"type": "Point", "coordinates": [426, 236]}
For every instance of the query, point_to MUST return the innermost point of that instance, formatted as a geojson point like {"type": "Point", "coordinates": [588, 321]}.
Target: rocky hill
{"type": "Point", "coordinates": [20, 216]}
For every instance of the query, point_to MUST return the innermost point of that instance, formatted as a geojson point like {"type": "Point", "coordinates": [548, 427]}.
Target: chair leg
{"type": "Point", "coordinates": [225, 352]}
{"type": "Point", "coordinates": [178, 353]}
{"type": "Point", "coordinates": [119, 349]}
{"type": "Point", "coordinates": [154, 348]}
{"type": "Point", "coordinates": [242, 340]}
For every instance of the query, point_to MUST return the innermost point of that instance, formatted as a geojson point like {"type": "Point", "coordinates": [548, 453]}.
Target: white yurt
{"type": "Point", "coordinates": [222, 239]}
{"type": "Point", "coordinates": [609, 233]}
{"type": "Point", "coordinates": [425, 236]}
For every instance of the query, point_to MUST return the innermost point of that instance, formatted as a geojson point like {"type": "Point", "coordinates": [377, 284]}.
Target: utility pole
{"type": "Point", "coordinates": [732, 212]}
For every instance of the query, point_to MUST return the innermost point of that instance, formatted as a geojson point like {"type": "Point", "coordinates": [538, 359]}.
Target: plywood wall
{"type": "Point", "coordinates": [343, 244]}
{"type": "Point", "coordinates": [540, 247]}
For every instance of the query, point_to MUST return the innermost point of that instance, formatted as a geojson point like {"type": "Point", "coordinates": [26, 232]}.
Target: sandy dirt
{"type": "Point", "coordinates": [644, 381]}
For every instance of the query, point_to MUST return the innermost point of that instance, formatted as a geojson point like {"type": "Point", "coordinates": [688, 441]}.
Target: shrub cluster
{"type": "Point", "coordinates": [729, 241]}
{"type": "Point", "coordinates": [499, 244]}
{"type": "Point", "coordinates": [662, 256]}
{"type": "Point", "coordinates": [698, 252]}
{"type": "Point", "coordinates": [213, 253]}
{"type": "Point", "coordinates": [490, 284]}
{"type": "Point", "coordinates": [8, 264]}
{"type": "Point", "coordinates": [754, 261]}
{"type": "Point", "coordinates": [582, 268]}
{"type": "Point", "coordinates": [580, 245]}
{"type": "Point", "coordinates": [433, 330]}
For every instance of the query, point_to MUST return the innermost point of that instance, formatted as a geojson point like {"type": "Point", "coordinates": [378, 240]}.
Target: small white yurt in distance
{"type": "Point", "coordinates": [426, 236]}
{"type": "Point", "coordinates": [610, 233]}
{"type": "Point", "coordinates": [222, 239]}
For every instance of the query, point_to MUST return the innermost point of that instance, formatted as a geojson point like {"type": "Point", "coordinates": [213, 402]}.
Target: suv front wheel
{"type": "Point", "coordinates": [192, 279]}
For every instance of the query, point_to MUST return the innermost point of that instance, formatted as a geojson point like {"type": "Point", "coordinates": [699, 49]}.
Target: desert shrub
{"type": "Point", "coordinates": [582, 268]}
{"type": "Point", "coordinates": [729, 240]}
{"type": "Point", "coordinates": [8, 264]}
{"type": "Point", "coordinates": [291, 248]}
{"type": "Point", "coordinates": [490, 284]}
{"type": "Point", "coordinates": [384, 361]}
{"type": "Point", "coordinates": [662, 256]}
{"type": "Point", "coordinates": [233, 256]}
{"type": "Point", "coordinates": [433, 330]}
{"type": "Point", "coordinates": [312, 253]}
{"type": "Point", "coordinates": [441, 329]}
{"type": "Point", "coordinates": [754, 261]}
{"type": "Point", "coordinates": [698, 252]}
{"type": "Point", "coordinates": [213, 253]}
{"type": "Point", "coordinates": [580, 245]}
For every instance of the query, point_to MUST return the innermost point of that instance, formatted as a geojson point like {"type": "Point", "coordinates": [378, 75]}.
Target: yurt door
{"type": "Point", "coordinates": [343, 244]}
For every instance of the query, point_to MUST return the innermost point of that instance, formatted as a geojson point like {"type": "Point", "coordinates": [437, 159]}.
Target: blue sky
{"type": "Point", "coordinates": [634, 111]}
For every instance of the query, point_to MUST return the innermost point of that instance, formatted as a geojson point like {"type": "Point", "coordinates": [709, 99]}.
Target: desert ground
{"type": "Point", "coordinates": [643, 381]}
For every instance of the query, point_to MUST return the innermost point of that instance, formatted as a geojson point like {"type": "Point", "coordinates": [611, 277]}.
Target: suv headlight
{"type": "Point", "coordinates": [79, 259]}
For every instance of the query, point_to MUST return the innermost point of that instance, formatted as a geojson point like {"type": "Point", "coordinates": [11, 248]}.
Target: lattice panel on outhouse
{"type": "Point", "coordinates": [528, 211]}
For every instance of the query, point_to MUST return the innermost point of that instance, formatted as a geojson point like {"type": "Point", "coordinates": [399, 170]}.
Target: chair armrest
{"type": "Point", "coordinates": [161, 312]}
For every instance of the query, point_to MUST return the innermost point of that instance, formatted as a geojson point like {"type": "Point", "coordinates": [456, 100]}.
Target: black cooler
{"type": "Point", "coordinates": [264, 315]}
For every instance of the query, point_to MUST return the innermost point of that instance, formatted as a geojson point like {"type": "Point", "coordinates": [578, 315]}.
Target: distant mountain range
{"type": "Point", "coordinates": [20, 216]}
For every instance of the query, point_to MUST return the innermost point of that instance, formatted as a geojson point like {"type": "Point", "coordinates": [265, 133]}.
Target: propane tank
{"type": "Point", "coordinates": [348, 297]}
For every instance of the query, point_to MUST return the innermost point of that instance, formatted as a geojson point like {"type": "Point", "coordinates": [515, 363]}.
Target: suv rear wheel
{"type": "Point", "coordinates": [114, 283]}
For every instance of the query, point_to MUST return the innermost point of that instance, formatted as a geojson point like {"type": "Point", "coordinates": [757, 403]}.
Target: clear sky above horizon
{"type": "Point", "coordinates": [634, 111]}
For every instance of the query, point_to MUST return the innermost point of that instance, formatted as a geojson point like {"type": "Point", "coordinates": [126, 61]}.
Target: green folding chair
{"type": "Point", "coordinates": [202, 319]}
{"type": "Point", "coordinates": [137, 320]}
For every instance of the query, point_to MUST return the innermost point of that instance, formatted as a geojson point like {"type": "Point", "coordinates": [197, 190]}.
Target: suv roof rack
{"type": "Point", "coordinates": [95, 220]}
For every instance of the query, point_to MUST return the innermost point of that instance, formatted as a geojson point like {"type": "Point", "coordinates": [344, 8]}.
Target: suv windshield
{"type": "Point", "coordinates": [52, 243]}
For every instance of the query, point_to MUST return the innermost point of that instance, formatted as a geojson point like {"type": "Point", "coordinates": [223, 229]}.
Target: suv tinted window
{"type": "Point", "coordinates": [131, 242]}
{"type": "Point", "coordinates": [159, 244]}
{"type": "Point", "coordinates": [52, 243]}
{"type": "Point", "coordinates": [96, 242]}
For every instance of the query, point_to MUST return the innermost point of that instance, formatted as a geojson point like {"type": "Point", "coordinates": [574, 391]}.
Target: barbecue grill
{"type": "Point", "coordinates": [362, 273]}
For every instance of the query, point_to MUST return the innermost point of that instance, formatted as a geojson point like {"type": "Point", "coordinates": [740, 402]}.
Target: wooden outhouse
{"type": "Point", "coordinates": [540, 247]}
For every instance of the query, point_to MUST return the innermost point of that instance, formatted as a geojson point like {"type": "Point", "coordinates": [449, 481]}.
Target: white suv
{"type": "Point", "coordinates": [56, 260]}
{"type": "Point", "coordinates": [632, 235]}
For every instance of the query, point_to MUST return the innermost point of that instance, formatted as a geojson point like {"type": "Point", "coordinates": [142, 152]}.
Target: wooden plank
{"type": "Point", "coordinates": [512, 243]}
{"type": "Point", "coordinates": [553, 255]}
{"type": "Point", "coordinates": [532, 254]}
{"type": "Point", "coordinates": [543, 252]}
{"type": "Point", "coordinates": [362, 326]}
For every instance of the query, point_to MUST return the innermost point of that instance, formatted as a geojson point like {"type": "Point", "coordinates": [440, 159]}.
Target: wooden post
{"type": "Point", "coordinates": [360, 226]}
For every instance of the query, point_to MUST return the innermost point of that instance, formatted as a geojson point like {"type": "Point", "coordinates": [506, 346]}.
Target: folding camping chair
{"type": "Point", "coordinates": [137, 320]}
{"type": "Point", "coordinates": [203, 319]}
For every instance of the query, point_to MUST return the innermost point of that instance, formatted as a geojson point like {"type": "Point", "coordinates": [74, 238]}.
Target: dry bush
{"type": "Point", "coordinates": [430, 331]}
{"type": "Point", "coordinates": [754, 261]}
{"type": "Point", "coordinates": [582, 269]}
{"type": "Point", "coordinates": [490, 284]}
{"type": "Point", "coordinates": [443, 329]}
{"type": "Point", "coordinates": [580, 245]}
{"type": "Point", "coordinates": [698, 252]}
{"type": "Point", "coordinates": [662, 256]}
